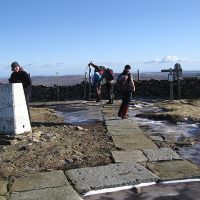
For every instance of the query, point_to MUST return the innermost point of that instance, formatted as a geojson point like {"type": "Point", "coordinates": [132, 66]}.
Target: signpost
{"type": "Point", "coordinates": [174, 74]}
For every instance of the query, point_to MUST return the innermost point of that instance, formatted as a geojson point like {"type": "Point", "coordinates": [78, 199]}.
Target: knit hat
{"type": "Point", "coordinates": [127, 67]}
{"type": "Point", "coordinates": [15, 64]}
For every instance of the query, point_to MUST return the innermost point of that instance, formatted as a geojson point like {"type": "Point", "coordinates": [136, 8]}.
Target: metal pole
{"type": "Point", "coordinates": [30, 91]}
{"type": "Point", "coordinates": [85, 85]}
{"type": "Point", "coordinates": [57, 86]}
{"type": "Point", "coordinates": [89, 94]}
{"type": "Point", "coordinates": [138, 74]}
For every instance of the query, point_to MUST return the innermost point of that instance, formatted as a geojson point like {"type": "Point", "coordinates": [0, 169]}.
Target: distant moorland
{"type": "Point", "coordinates": [76, 79]}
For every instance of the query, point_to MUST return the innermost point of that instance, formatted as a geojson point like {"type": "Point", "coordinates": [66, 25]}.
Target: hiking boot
{"type": "Point", "coordinates": [109, 102]}
{"type": "Point", "coordinates": [124, 112]}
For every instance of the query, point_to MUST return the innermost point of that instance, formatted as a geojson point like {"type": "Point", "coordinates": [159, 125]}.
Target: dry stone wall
{"type": "Point", "coordinates": [190, 88]}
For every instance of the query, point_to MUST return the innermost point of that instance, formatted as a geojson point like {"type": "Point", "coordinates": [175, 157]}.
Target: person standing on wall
{"type": "Point", "coordinates": [20, 76]}
{"type": "Point", "coordinates": [107, 74]}
{"type": "Point", "coordinates": [126, 86]}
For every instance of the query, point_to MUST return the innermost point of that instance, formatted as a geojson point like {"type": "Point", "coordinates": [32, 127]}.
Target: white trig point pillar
{"type": "Point", "coordinates": [14, 117]}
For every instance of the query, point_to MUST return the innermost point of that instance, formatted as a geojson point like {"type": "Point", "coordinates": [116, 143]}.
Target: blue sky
{"type": "Point", "coordinates": [49, 36]}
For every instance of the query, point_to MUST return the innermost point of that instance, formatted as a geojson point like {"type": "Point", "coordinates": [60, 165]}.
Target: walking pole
{"type": "Point", "coordinates": [89, 94]}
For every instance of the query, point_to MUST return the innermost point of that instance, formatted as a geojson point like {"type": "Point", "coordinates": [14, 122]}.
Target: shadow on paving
{"type": "Point", "coordinates": [181, 191]}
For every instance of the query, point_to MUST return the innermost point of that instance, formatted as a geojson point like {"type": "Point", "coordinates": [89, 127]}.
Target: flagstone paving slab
{"type": "Point", "coordinates": [133, 142]}
{"type": "Point", "coordinates": [3, 186]}
{"type": "Point", "coordinates": [113, 175]}
{"type": "Point", "coordinates": [3, 198]}
{"type": "Point", "coordinates": [40, 181]}
{"type": "Point", "coordinates": [127, 123]}
{"type": "Point", "coordinates": [129, 156]}
{"type": "Point", "coordinates": [124, 131]}
{"type": "Point", "coordinates": [156, 138]}
{"type": "Point", "coordinates": [58, 193]}
{"type": "Point", "coordinates": [161, 154]}
{"type": "Point", "coordinates": [179, 169]}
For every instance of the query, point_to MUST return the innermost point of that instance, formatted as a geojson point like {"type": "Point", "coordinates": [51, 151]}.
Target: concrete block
{"type": "Point", "coordinates": [14, 118]}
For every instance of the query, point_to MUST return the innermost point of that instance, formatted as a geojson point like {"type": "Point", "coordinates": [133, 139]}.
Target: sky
{"type": "Point", "coordinates": [63, 36]}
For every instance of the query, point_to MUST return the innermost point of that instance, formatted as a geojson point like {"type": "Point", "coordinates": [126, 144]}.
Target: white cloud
{"type": "Point", "coordinates": [166, 59]}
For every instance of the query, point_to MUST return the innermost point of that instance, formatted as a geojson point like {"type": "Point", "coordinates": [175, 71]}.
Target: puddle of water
{"type": "Point", "coordinates": [79, 115]}
{"type": "Point", "coordinates": [192, 153]}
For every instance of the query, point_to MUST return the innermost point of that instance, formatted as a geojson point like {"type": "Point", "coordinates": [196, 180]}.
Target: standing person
{"type": "Point", "coordinates": [107, 74]}
{"type": "Point", "coordinates": [126, 86]}
{"type": "Point", "coordinates": [20, 76]}
{"type": "Point", "coordinates": [98, 71]}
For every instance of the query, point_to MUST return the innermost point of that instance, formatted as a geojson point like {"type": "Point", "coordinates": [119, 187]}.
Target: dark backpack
{"type": "Point", "coordinates": [123, 81]}
{"type": "Point", "coordinates": [110, 76]}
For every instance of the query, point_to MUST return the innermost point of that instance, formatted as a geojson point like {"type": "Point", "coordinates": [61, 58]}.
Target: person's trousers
{"type": "Point", "coordinates": [110, 91]}
{"type": "Point", "coordinates": [126, 99]}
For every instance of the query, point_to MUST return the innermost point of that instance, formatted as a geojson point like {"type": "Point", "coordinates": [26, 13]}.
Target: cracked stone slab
{"type": "Point", "coordinates": [3, 186]}
{"type": "Point", "coordinates": [113, 175]}
{"type": "Point", "coordinates": [161, 154]}
{"type": "Point", "coordinates": [129, 156]}
{"type": "Point", "coordinates": [40, 181]}
{"type": "Point", "coordinates": [178, 169]}
{"type": "Point", "coordinates": [58, 193]}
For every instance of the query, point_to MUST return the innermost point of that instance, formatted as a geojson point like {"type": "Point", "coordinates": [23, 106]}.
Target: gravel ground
{"type": "Point", "coordinates": [54, 145]}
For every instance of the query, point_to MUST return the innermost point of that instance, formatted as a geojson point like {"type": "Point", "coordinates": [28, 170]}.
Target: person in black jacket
{"type": "Point", "coordinates": [20, 76]}
{"type": "Point", "coordinates": [126, 86]}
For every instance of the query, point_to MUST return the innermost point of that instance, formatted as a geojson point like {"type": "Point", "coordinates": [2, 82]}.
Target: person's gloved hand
{"type": "Point", "coordinates": [89, 63]}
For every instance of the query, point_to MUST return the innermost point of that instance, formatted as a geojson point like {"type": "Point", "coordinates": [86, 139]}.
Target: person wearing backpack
{"type": "Point", "coordinates": [107, 74]}
{"type": "Point", "coordinates": [126, 86]}
{"type": "Point", "coordinates": [109, 77]}
{"type": "Point", "coordinates": [97, 84]}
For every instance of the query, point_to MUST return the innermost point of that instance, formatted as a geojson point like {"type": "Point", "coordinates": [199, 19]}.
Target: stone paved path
{"type": "Point", "coordinates": [139, 159]}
